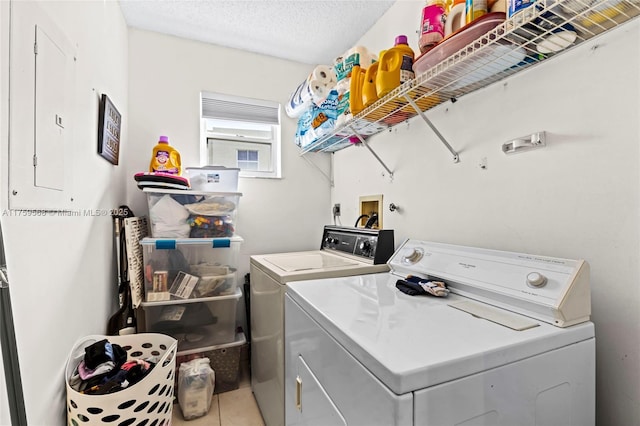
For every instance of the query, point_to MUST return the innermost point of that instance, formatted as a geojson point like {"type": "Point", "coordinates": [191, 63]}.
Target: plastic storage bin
{"type": "Point", "coordinates": [213, 178]}
{"type": "Point", "coordinates": [207, 265]}
{"type": "Point", "coordinates": [223, 359]}
{"type": "Point", "coordinates": [148, 401]}
{"type": "Point", "coordinates": [192, 214]}
{"type": "Point", "coordinates": [195, 323]}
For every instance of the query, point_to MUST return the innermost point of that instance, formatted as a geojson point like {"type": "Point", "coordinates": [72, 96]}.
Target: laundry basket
{"type": "Point", "coordinates": [147, 402]}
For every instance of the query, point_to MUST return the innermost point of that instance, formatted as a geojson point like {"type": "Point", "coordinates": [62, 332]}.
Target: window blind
{"type": "Point", "coordinates": [225, 107]}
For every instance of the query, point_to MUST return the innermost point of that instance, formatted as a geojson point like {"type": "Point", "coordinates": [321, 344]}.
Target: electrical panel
{"type": "Point", "coordinates": [42, 97]}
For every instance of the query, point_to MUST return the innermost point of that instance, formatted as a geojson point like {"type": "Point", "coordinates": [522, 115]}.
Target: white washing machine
{"type": "Point", "coordinates": [511, 344]}
{"type": "Point", "coordinates": [344, 251]}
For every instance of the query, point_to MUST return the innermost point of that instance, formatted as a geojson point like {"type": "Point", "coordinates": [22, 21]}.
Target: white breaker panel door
{"type": "Point", "coordinates": [42, 99]}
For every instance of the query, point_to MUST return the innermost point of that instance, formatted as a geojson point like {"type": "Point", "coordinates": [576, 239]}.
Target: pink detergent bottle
{"type": "Point", "coordinates": [432, 25]}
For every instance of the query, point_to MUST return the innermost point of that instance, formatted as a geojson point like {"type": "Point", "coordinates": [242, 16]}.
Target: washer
{"type": "Point", "coordinates": [511, 344]}
{"type": "Point", "coordinates": [344, 251]}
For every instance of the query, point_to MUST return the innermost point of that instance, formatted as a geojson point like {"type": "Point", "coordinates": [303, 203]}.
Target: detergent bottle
{"type": "Point", "coordinates": [165, 158]}
{"type": "Point", "coordinates": [355, 89]}
{"type": "Point", "coordinates": [474, 9]}
{"type": "Point", "coordinates": [369, 91]}
{"type": "Point", "coordinates": [396, 67]}
{"type": "Point", "coordinates": [432, 25]}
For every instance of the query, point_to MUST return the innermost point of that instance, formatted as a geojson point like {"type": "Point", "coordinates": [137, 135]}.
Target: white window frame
{"type": "Point", "coordinates": [214, 106]}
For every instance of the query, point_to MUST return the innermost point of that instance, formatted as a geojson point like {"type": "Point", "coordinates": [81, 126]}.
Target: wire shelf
{"type": "Point", "coordinates": [531, 36]}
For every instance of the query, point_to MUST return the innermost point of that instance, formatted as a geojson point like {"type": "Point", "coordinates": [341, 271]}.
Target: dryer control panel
{"type": "Point", "coordinates": [373, 245]}
{"type": "Point", "coordinates": [554, 290]}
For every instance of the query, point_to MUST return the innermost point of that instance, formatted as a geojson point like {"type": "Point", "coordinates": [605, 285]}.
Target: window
{"type": "Point", "coordinates": [247, 159]}
{"type": "Point", "coordinates": [241, 133]}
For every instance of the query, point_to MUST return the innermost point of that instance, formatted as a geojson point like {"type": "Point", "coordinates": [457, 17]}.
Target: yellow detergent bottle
{"type": "Point", "coordinates": [165, 158]}
{"type": "Point", "coordinates": [475, 9]}
{"type": "Point", "coordinates": [369, 91]}
{"type": "Point", "coordinates": [355, 89]}
{"type": "Point", "coordinates": [396, 67]}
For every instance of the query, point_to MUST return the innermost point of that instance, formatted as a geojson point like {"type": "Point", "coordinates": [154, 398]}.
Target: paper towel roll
{"type": "Point", "coordinates": [318, 91]}
{"type": "Point", "coordinates": [366, 57]}
{"type": "Point", "coordinates": [299, 101]}
{"type": "Point", "coordinates": [356, 55]}
{"type": "Point", "coordinates": [323, 74]}
{"type": "Point", "coordinates": [343, 86]}
{"type": "Point", "coordinates": [314, 89]}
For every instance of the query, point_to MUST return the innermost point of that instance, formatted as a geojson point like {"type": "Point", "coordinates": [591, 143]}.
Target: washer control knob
{"type": "Point", "coordinates": [330, 240]}
{"type": "Point", "coordinates": [535, 279]}
{"type": "Point", "coordinates": [365, 247]}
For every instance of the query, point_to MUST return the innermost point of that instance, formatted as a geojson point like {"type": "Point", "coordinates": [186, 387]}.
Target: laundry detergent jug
{"type": "Point", "coordinates": [165, 158]}
{"type": "Point", "coordinates": [369, 91]}
{"type": "Point", "coordinates": [395, 68]}
{"type": "Point", "coordinates": [355, 89]}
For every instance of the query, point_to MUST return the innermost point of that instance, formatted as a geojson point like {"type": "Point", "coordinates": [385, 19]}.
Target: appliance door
{"type": "Point", "coordinates": [552, 388]}
{"type": "Point", "coordinates": [15, 397]}
{"type": "Point", "coordinates": [318, 407]}
{"type": "Point", "coordinates": [326, 385]}
{"type": "Point", "coordinates": [267, 345]}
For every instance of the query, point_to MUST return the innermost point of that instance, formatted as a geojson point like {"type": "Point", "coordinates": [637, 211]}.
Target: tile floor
{"type": "Point", "coordinates": [233, 408]}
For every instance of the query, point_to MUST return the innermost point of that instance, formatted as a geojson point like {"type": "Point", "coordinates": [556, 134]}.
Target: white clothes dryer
{"type": "Point", "coordinates": [344, 251]}
{"type": "Point", "coordinates": [511, 344]}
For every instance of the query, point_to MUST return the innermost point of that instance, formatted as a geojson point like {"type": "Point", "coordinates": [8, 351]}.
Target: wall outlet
{"type": "Point", "coordinates": [336, 210]}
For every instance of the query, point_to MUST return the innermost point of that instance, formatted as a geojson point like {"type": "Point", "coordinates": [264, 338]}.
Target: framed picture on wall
{"type": "Point", "coordinates": [109, 130]}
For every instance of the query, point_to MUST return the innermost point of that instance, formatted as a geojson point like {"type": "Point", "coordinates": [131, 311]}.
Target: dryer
{"type": "Point", "coordinates": [344, 251]}
{"type": "Point", "coordinates": [512, 343]}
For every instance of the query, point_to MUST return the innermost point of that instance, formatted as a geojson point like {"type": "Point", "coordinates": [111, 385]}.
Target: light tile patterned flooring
{"type": "Point", "coordinates": [233, 408]}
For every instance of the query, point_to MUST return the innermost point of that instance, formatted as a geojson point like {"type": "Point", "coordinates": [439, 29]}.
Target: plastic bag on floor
{"type": "Point", "coordinates": [196, 381]}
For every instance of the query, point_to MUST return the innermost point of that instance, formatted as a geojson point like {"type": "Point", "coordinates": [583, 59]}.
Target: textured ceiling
{"type": "Point", "coordinates": [312, 32]}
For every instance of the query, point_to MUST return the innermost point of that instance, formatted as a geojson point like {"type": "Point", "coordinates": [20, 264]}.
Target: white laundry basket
{"type": "Point", "coordinates": [148, 402]}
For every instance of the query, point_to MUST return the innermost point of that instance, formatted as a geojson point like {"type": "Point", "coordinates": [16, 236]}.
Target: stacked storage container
{"type": "Point", "coordinates": [190, 270]}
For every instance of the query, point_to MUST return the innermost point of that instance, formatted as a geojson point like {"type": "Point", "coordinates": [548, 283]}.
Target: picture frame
{"type": "Point", "coordinates": [109, 125]}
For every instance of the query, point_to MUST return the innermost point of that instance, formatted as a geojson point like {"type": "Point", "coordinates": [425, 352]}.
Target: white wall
{"type": "Point", "coordinates": [576, 198]}
{"type": "Point", "coordinates": [166, 76]}
{"type": "Point", "coordinates": [61, 269]}
{"type": "Point", "coordinates": [4, 116]}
